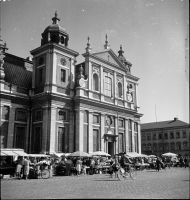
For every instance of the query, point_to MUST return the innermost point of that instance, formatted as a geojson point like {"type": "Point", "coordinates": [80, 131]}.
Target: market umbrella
{"type": "Point", "coordinates": [99, 153]}
{"type": "Point", "coordinates": [152, 156]}
{"type": "Point", "coordinates": [79, 154]}
{"type": "Point", "coordinates": [169, 154]}
{"type": "Point", "coordinates": [133, 154]}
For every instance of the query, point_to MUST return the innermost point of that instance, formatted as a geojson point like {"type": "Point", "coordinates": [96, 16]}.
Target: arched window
{"type": "Point", "coordinates": [108, 86]}
{"type": "Point", "coordinates": [95, 82]}
{"type": "Point", "coordinates": [53, 38]}
{"type": "Point", "coordinates": [62, 40]}
{"type": "Point", "coordinates": [120, 95]}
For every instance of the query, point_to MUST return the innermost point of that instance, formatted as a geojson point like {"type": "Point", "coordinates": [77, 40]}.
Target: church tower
{"type": "Point", "coordinates": [52, 91]}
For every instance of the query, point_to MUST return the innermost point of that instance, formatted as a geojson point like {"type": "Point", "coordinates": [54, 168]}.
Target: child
{"type": "Point", "coordinates": [84, 170]}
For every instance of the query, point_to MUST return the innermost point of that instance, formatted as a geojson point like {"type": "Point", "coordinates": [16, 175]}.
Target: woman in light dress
{"type": "Point", "coordinates": [78, 166]}
{"type": "Point", "coordinates": [26, 167]}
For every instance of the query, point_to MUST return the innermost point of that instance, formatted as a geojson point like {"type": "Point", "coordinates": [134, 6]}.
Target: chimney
{"type": "Point", "coordinates": [175, 118]}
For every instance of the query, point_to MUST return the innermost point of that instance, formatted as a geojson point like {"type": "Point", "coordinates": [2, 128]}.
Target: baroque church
{"type": "Point", "coordinates": [50, 104]}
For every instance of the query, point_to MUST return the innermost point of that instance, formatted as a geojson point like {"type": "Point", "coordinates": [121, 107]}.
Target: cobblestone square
{"type": "Point", "coordinates": [171, 183]}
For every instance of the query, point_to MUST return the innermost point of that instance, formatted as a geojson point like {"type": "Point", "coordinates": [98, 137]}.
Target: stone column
{"type": "Point", "coordinates": [125, 91]}
{"type": "Point", "coordinates": [126, 135]}
{"type": "Point", "coordinates": [71, 132]}
{"type": "Point", "coordinates": [10, 136]}
{"type": "Point", "coordinates": [34, 73]}
{"type": "Point", "coordinates": [30, 132]}
{"type": "Point", "coordinates": [132, 136]}
{"type": "Point", "coordinates": [116, 133]}
{"type": "Point", "coordinates": [90, 131]}
{"type": "Point", "coordinates": [79, 130]}
{"type": "Point", "coordinates": [44, 129]}
{"type": "Point", "coordinates": [139, 137]}
{"type": "Point", "coordinates": [102, 131]}
{"type": "Point", "coordinates": [27, 130]}
{"type": "Point", "coordinates": [53, 130]}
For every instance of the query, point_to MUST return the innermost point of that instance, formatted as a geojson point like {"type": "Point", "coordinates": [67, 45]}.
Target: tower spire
{"type": "Point", "coordinates": [55, 19]}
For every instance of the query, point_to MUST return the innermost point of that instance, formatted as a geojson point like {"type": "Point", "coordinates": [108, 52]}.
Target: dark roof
{"type": "Point", "coordinates": [163, 124]}
{"type": "Point", "coordinates": [18, 71]}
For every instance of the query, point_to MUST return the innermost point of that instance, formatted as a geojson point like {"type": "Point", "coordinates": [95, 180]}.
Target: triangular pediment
{"type": "Point", "coordinates": [110, 56]}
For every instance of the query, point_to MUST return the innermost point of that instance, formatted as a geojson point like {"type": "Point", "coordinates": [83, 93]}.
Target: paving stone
{"type": "Point", "coordinates": [171, 183]}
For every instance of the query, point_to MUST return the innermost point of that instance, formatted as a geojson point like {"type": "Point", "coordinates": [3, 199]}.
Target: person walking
{"type": "Point", "coordinates": [157, 164]}
{"type": "Point", "coordinates": [68, 166]}
{"type": "Point", "coordinates": [26, 167]}
{"type": "Point", "coordinates": [78, 166]}
{"type": "Point", "coordinates": [185, 161]}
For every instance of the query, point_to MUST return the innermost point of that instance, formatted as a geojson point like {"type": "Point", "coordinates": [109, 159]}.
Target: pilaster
{"type": "Point", "coordinates": [72, 76]}
{"type": "Point", "coordinates": [132, 136]}
{"type": "Point", "coordinates": [102, 129]}
{"type": "Point", "coordinates": [115, 89]}
{"type": "Point", "coordinates": [90, 131]}
{"type": "Point", "coordinates": [126, 135]}
{"type": "Point", "coordinates": [116, 133]}
{"type": "Point", "coordinates": [101, 83]}
{"type": "Point", "coordinates": [10, 135]}
{"type": "Point", "coordinates": [44, 130]}
{"type": "Point", "coordinates": [139, 137]}
{"type": "Point", "coordinates": [53, 65]}
{"type": "Point", "coordinates": [71, 132]}
{"type": "Point", "coordinates": [53, 130]}
{"type": "Point", "coordinates": [79, 130]}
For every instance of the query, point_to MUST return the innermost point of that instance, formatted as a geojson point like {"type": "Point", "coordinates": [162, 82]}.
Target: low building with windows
{"type": "Point", "coordinates": [165, 136]}
{"type": "Point", "coordinates": [51, 105]}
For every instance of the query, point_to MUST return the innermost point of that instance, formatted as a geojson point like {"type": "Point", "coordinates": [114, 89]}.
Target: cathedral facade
{"type": "Point", "coordinates": [50, 104]}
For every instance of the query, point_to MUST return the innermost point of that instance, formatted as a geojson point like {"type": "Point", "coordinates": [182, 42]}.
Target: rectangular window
{"type": "Point", "coordinates": [86, 117]}
{"type": "Point", "coordinates": [160, 136]}
{"type": "Point", "coordinates": [161, 148]}
{"type": "Point", "coordinates": [171, 135]}
{"type": "Point", "coordinates": [19, 137]}
{"type": "Point", "coordinates": [135, 127]}
{"type": "Point", "coordinates": [178, 146]}
{"type": "Point", "coordinates": [172, 146]}
{"type": "Point", "coordinates": [40, 74]}
{"type": "Point", "coordinates": [21, 115]}
{"type": "Point", "coordinates": [63, 73]}
{"type": "Point", "coordinates": [149, 137]}
{"type": "Point", "coordinates": [121, 123]}
{"type": "Point", "coordinates": [95, 140]}
{"type": "Point", "coordinates": [38, 115]}
{"type": "Point", "coordinates": [37, 139]}
{"type": "Point", "coordinates": [154, 136]}
{"type": "Point", "coordinates": [143, 137]}
{"type": "Point", "coordinates": [95, 119]}
{"type": "Point", "coordinates": [178, 135]}
{"type": "Point", "coordinates": [184, 134]}
{"type": "Point", "coordinates": [121, 142]}
{"type": "Point", "coordinates": [108, 86]}
{"type": "Point", "coordinates": [62, 115]}
{"type": "Point", "coordinates": [165, 136]}
{"type": "Point", "coordinates": [61, 139]}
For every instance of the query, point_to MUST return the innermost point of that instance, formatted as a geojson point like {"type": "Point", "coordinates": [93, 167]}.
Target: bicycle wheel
{"type": "Point", "coordinates": [133, 173]}
{"type": "Point", "coordinates": [45, 173]}
{"type": "Point", "coordinates": [122, 174]}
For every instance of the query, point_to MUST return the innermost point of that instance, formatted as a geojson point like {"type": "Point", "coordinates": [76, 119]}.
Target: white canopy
{"type": "Point", "coordinates": [99, 153]}
{"type": "Point", "coordinates": [169, 154]}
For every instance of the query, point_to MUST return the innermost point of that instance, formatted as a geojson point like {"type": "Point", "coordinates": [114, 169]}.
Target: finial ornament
{"type": "Point", "coordinates": [106, 39]}
{"type": "Point", "coordinates": [55, 19]}
{"type": "Point", "coordinates": [106, 46]}
{"type": "Point", "coordinates": [88, 48]}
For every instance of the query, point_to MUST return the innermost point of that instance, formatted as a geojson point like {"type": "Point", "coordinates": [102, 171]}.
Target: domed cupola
{"type": "Point", "coordinates": [55, 33]}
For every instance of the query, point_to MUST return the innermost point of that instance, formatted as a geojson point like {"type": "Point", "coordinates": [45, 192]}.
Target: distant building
{"type": "Point", "coordinates": [51, 105]}
{"type": "Point", "coordinates": [166, 136]}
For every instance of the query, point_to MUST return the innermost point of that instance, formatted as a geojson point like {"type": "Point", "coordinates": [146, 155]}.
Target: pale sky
{"type": "Point", "coordinates": [152, 34]}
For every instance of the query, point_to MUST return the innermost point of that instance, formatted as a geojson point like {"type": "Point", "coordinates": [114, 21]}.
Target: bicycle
{"type": "Point", "coordinates": [44, 173]}
{"type": "Point", "coordinates": [123, 173]}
